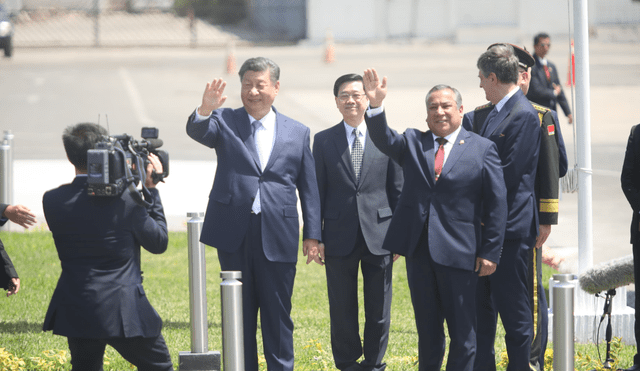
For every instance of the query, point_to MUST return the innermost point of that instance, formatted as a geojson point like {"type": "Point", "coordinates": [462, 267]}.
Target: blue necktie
{"type": "Point", "coordinates": [255, 207]}
{"type": "Point", "coordinates": [254, 128]}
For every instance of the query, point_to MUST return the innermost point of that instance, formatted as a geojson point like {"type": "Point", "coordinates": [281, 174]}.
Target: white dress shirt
{"type": "Point", "coordinates": [362, 134]}
{"type": "Point", "coordinates": [265, 137]}
{"type": "Point", "coordinates": [504, 100]}
{"type": "Point", "coordinates": [451, 138]}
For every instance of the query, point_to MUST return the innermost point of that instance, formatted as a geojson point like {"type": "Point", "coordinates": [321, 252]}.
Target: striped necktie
{"type": "Point", "coordinates": [356, 154]}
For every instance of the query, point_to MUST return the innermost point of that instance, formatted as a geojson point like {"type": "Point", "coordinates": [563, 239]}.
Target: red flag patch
{"type": "Point", "coordinates": [551, 129]}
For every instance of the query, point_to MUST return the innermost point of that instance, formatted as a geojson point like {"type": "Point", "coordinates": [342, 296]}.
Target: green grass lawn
{"type": "Point", "coordinates": [166, 284]}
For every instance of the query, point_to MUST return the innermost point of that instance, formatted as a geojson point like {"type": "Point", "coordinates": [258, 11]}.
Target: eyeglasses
{"type": "Point", "coordinates": [345, 97]}
{"type": "Point", "coordinates": [548, 45]}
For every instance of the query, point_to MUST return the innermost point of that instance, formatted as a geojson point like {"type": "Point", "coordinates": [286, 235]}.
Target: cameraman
{"type": "Point", "coordinates": [99, 298]}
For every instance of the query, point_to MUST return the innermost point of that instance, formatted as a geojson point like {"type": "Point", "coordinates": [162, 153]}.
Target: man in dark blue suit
{"type": "Point", "coordinates": [359, 189]}
{"type": "Point", "coordinates": [252, 216]}
{"type": "Point", "coordinates": [630, 181]}
{"type": "Point", "coordinates": [22, 216]}
{"type": "Point", "coordinates": [551, 162]}
{"type": "Point", "coordinates": [513, 125]}
{"type": "Point", "coordinates": [99, 298]}
{"type": "Point", "coordinates": [545, 88]}
{"type": "Point", "coordinates": [526, 63]}
{"type": "Point", "coordinates": [450, 188]}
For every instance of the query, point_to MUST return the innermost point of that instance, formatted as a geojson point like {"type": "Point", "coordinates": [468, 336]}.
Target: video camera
{"type": "Point", "coordinates": [118, 162]}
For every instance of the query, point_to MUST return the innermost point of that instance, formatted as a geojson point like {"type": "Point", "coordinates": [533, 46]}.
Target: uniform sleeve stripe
{"type": "Point", "coordinates": [549, 206]}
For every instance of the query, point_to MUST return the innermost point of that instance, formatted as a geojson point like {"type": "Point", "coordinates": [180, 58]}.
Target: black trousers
{"type": "Point", "coordinates": [505, 292]}
{"type": "Point", "coordinates": [636, 276]}
{"type": "Point", "coordinates": [539, 309]}
{"type": "Point", "coordinates": [342, 287]}
{"type": "Point", "coordinates": [440, 293]}
{"type": "Point", "coordinates": [147, 354]}
{"type": "Point", "coordinates": [267, 288]}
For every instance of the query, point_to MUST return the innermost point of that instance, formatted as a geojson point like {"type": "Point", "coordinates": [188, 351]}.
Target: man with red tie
{"type": "Point", "coordinates": [453, 181]}
{"type": "Point", "coordinates": [545, 88]}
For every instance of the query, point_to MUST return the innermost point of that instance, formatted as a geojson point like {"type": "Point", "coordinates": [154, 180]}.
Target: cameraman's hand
{"type": "Point", "coordinates": [154, 164]}
{"type": "Point", "coordinates": [21, 215]}
{"type": "Point", "coordinates": [14, 286]}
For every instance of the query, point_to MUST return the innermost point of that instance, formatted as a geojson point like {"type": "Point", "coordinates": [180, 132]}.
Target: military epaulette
{"type": "Point", "coordinates": [485, 106]}
{"type": "Point", "coordinates": [539, 108]}
{"type": "Point", "coordinates": [551, 128]}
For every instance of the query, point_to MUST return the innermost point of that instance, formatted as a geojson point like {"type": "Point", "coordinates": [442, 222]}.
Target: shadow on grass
{"type": "Point", "coordinates": [20, 327]}
{"type": "Point", "coordinates": [27, 327]}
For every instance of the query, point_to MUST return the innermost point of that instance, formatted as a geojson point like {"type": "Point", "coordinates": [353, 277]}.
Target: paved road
{"type": "Point", "coordinates": [43, 91]}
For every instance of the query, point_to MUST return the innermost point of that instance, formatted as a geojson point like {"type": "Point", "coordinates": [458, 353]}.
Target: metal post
{"type": "Point", "coordinates": [199, 359]}
{"type": "Point", "coordinates": [563, 331]}
{"type": "Point", "coordinates": [197, 285]}
{"type": "Point", "coordinates": [232, 328]}
{"type": "Point", "coordinates": [582, 118]}
{"type": "Point", "coordinates": [568, 277]}
{"type": "Point", "coordinates": [6, 170]}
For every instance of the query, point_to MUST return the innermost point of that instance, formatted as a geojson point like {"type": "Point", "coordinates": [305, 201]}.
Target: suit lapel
{"type": "Point", "coordinates": [281, 127]}
{"type": "Point", "coordinates": [244, 129]}
{"type": "Point", "coordinates": [539, 69]}
{"type": "Point", "coordinates": [495, 123]}
{"type": "Point", "coordinates": [457, 149]}
{"type": "Point", "coordinates": [429, 157]}
{"type": "Point", "coordinates": [542, 76]}
{"type": "Point", "coordinates": [478, 118]}
{"type": "Point", "coordinates": [342, 149]}
{"type": "Point", "coordinates": [367, 159]}
{"type": "Point", "coordinates": [503, 114]}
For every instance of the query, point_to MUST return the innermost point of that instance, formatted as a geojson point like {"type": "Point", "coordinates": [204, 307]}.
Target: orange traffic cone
{"type": "Point", "coordinates": [231, 58]}
{"type": "Point", "coordinates": [571, 70]}
{"type": "Point", "coordinates": [329, 50]}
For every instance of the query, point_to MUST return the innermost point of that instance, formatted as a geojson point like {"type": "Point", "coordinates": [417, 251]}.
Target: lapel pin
{"type": "Point", "coordinates": [461, 141]}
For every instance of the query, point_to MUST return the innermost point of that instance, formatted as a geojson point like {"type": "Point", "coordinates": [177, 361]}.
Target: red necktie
{"type": "Point", "coordinates": [440, 156]}
{"type": "Point", "coordinates": [546, 72]}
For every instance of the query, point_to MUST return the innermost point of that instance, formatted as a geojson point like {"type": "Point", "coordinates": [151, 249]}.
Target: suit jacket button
{"type": "Point", "coordinates": [358, 194]}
